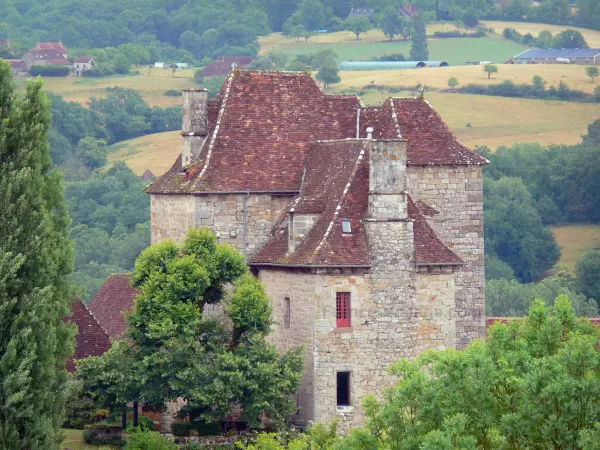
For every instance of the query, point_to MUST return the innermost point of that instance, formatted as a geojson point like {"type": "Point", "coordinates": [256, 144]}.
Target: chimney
{"type": "Point", "coordinates": [387, 180]}
{"type": "Point", "coordinates": [194, 125]}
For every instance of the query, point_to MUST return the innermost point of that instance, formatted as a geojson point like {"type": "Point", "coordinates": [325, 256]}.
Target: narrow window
{"type": "Point", "coordinates": [342, 307]}
{"type": "Point", "coordinates": [343, 388]}
{"type": "Point", "coordinates": [346, 226]}
{"type": "Point", "coordinates": [287, 312]}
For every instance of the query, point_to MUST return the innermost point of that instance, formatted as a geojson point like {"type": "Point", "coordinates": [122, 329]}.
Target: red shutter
{"type": "Point", "coordinates": [342, 307]}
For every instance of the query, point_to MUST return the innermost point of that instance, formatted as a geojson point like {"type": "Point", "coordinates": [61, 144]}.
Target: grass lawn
{"type": "Point", "coordinates": [592, 37]}
{"type": "Point", "coordinates": [437, 77]}
{"type": "Point", "coordinates": [152, 86]}
{"type": "Point", "coordinates": [74, 441]}
{"type": "Point", "coordinates": [454, 51]}
{"type": "Point", "coordinates": [156, 152]}
{"type": "Point", "coordinates": [575, 240]}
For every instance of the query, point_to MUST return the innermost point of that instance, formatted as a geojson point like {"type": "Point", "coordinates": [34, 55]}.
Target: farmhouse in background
{"type": "Point", "coordinates": [18, 66]}
{"type": "Point", "coordinates": [365, 224]}
{"type": "Point", "coordinates": [222, 65]}
{"type": "Point", "coordinates": [584, 56]}
{"type": "Point", "coordinates": [58, 46]}
{"type": "Point", "coordinates": [82, 63]}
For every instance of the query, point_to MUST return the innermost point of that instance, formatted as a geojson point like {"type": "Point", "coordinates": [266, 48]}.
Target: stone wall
{"type": "Point", "coordinates": [173, 215]}
{"type": "Point", "coordinates": [457, 193]}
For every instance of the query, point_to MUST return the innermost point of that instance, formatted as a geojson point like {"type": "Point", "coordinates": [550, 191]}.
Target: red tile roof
{"type": "Point", "coordinates": [221, 66]}
{"type": "Point", "coordinates": [58, 46]}
{"type": "Point", "coordinates": [45, 55]}
{"type": "Point", "coordinates": [83, 59]}
{"type": "Point", "coordinates": [337, 186]}
{"type": "Point", "coordinates": [17, 63]}
{"type": "Point", "coordinates": [115, 297]}
{"type": "Point", "coordinates": [91, 339]}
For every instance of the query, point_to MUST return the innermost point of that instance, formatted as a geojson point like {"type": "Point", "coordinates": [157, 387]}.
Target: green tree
{"type": "Point", "coordinates": [534, 383]}
{"type": "Point", "coordinates": [357, 25]}
{"type": "Point", "coordinates": [539, 84]}
{"type": "Point", "coordinates": [391, 23]}
{"type": "Point", "coordinates": [453, 83]}
{"type": "Point", "coordinates": [593, 135]}
{"type": "Point", "coordinates": [514, 231]}
{"type": "Point", "coordinates": [544, 39]}
{"type": "Point", "coordinates": [587, 269]}
{"type": "Point", "coordinates": [490, 69]}
{"type": "Point", "coordinates": [592, 72]}
{"type": "Point", "coordinates": [569, 39]}
{"type": "Point", "coordinates": [328, 75]}
{"type": "Point", "coordinates": [419, 50]}
{"type": "Point", "coordinates": [92, 152]}
{"type": "Point", "coordinates": [36, 256]}
{"type": "Point", "coordinates": [324, 57]}
{"type": "Point", "coordinates": [179, 351]}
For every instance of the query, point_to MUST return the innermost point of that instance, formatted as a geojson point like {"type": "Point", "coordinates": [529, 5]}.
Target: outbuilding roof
{"type": "Point", "coordinates": [91, 339]}
{"type": "Point", "coordinates": [552, 53]}
{"type": "Point", "coordinates": [113, 300]}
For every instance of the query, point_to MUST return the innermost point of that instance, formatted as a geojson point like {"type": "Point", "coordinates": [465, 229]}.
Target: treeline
{"type": "Point", "coordinates": [122, 114]}
{"type": "Point", "coordinates": [527, 188]}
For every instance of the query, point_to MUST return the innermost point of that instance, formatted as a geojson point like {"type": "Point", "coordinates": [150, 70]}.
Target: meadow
{"type": "Point", "coordinates": [453, 51]}
{"type": "Point", "coordinates": [575, 240]}
{"type": "Point", "coordinates": [437, 77]}
{"type": "Point", "coordinates": [152, 85]}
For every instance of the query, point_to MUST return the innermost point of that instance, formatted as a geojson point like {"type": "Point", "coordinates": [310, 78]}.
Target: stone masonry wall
{"type": "Point", "coordinates": [173, 215]}
{"type": "Point", "coordinates": [299, 287]}
{"type": "Point", "coordinates": [457, 193]}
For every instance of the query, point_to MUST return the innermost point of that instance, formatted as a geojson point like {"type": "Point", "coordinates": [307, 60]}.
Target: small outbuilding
{"type": "Point", "coordinates": [584, 56]}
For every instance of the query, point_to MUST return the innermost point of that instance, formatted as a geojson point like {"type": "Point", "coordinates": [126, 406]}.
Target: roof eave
{"type": "Point", "coordinates": [311, 266]}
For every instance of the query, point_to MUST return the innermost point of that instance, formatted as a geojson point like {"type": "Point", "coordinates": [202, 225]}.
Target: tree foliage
{"type": "Point", "coordinates": [178, 350]}
{"type": "Point", "coordinates": [592, 72]}
{"type": "Point", "coordinates": [357, 25]}
{"type": "Point", "coordinates": [419, 50]}
{"type": "Point", "coordinates": [490, 69]}
{"type": "Point", "coordinates": [36, 256]}
{"type": "Point", "coordinates": [587, 269]}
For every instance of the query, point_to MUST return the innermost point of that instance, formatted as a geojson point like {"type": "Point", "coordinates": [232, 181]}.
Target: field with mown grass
{"type": "Point", "coordinates": [374, 43]}
{"type": "Point", "coordinates": [74, 441]}
{"type": "Point", "coordinates": [437, 77]}
{"type": "Point", "coordinates": [592, 37]}
{"type": "Point", "coordinates": [575, 241]}
{"type": "Point", "coordinates": [156, 152]}
{"type": "Point", "coordinates": [152, 85]}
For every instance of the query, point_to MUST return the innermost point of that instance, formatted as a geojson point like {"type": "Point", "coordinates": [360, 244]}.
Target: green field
{"type": "Point", "coordinates": [454, 51]}
{"type": "Point", "coordinates": [575, 240]}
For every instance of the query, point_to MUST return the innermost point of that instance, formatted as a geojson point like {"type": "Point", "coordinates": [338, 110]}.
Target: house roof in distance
{"type": "Point", "coordinates": [83, 59]}
{"type": "Point", "coordinates": [115, 297]}
{"type": "Point", "coordinates": [91, 339]}
{"type": "Point", "coordinates": [17, 63]}
{"type": "Point", "coordinates": [45, 55]}
{"type": "Point", "coordinates": [58, 46]}
{"type": "Point", "coordinates": [222, 65]}
{"type": "Point", "coordinates": [551, 53]}
{"type": "Point", "coordinates": [268, 121]}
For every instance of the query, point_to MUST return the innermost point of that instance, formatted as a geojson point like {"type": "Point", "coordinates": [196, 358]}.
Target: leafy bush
{"type": "Point", "coordinates": [79, 408]}
{"type": "Point", "coordinates": [459, 34]}
{"type": "Point", "coordinates": [50, 71]}
{"type": "Point", "coordinates": [203, 428]}
{"type": "Point", "coordinates": [509, 89]}
{"type": "Point", "coordinates": [149, 440]}
{"type": "Point", "coordinates": [99, 70]}
{"type": "Point", "coordinates": [390, 57]}
{"type": "Point", "coordinates": [103, 435]}
{"type": "Point", "coordinates": [173, 93]}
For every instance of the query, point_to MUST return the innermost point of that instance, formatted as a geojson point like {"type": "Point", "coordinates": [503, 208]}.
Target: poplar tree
{"type": "Point", "coordinates": [36, 256]}
{"type": "Point", "coordinates": [419, 50]}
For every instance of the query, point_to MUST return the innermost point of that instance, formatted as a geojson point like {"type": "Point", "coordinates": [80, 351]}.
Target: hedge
{"type": "Point", "coordinates": [103, 435]}
{"type": "Point", "coordinates": [182, 429]}
{"type": "Point", "coordinates": [50, 71]}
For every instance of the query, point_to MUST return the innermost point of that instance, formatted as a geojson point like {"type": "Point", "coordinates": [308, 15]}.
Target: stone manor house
{"type": "Point", "coordinates": [365, 224]}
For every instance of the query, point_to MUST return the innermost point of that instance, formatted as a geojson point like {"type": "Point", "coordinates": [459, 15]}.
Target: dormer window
{"type": "Point", "coordinates": [346, 226]}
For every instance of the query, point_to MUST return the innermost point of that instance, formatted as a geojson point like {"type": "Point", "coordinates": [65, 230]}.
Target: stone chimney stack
{"type": "Point", "coordinates": [194, 125]}
{"type": "Point", "coordinates": [387, 180]}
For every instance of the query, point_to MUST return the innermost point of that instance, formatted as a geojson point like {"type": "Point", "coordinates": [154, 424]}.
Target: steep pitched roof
{"type": "Point", "coordinates": [267, 121]}
{"type": "Point", "coordinates": [337, 186]}
{"type": "Point", "coordinates": [221, 66]}
{"type": "Point", "coordinates": [115, 297]}
{"type": "Point", "coordinates": [45, 54]}
{"type": "Point", "coordinates": [91, 339]}
{"type": "Point", "coordinates": [58, 46]}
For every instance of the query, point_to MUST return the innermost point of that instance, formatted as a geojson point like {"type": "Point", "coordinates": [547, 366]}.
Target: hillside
{"type": "Point", "coordinates": [156, 152]}
{"type": "Point", "coordinates": [374, 44]}
{"type": "Point", "coordinates": [575, 240]}
{"type": "Point", "coordinates": [152, 86]}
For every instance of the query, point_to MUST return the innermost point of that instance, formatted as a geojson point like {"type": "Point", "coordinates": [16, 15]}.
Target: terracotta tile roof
{"type": "Point", "coordinates": [17, 63]}
{"type": "Point", "coordinates": [58, 46]}
{"type": "Point", "coordinates": [91, 339]}
{"type": "Point", "coordinates": [268, 121]}
{"type": "Point", "coordinates": [83, 59]}
{"type": "Point", "coordinates": [221, 66]}
{"type": "Point", "coordinates": [115, 297]}
{"type": "Point", "coordinates": [337, 186]}
{"type": "Point", "coordinates": [45, 55]}
{"type": "Point", "coordinates": [429, 248]}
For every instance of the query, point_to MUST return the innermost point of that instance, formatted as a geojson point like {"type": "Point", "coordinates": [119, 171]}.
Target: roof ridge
{"type": "Point", "coordinates": [395, 119]}
{"type": "Point", "coordinates": [217, 125]}
{"type": "Point", "coordinates": [340, 203]}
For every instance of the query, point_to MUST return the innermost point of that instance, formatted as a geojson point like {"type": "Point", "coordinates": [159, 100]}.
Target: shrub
{"type": "Point", "coordinates": [203, 428]}
{"type": "Point", "coordinates": [103, 435]}
{"type": "Point", "coordinates": [199, 76]}
{"type": "Point", "coordinates": [173, 93]}
{"type": "Point", "coordinates": [458, 34]}
{"type": "Point", "coordinates": [50, 71]}
{"type": "Point", "coordinates": [149, 440]}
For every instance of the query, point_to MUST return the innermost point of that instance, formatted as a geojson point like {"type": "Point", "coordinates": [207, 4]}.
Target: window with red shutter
{"type": "Point", "coordinates": [342, 308]}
